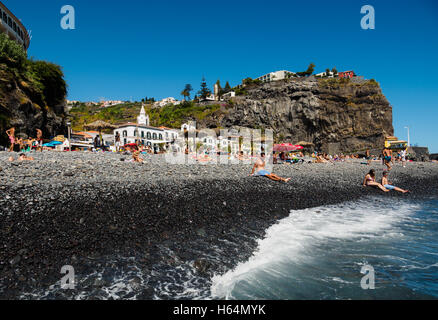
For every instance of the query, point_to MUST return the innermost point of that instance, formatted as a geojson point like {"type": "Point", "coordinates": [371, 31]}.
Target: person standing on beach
{"type": "Point", "coordinates": [387, 157]}
{"type": "Point", "coordinates": [368, 156]}
{"type": "Point", "coordinates": [96, 142]}
{"type": "Point", "coordinates": [39, 140]}
{"type": "Point", "coordinates": [403, 157]}
{"type": "Point", "coordinates": [260, 171]}
{"type": "Point", "coordinates": [11, 135]}
{"type": "Point", "coordinates": [117, 140]}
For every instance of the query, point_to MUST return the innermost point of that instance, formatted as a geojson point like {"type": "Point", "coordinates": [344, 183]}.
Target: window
{"type": "Point", "coordinates": [154, 136]}
{"type": "Point", "coordinates": [149, 137]}
{"type": "Point", "coordinates": [125, 134]}
{"type": "Point", "coordinates": [5, 17]}
{"type": "Point", "coordinates": [124, 141]}
{"type": "Point", "coordinates": [14, 27]}
{"type": "Point", "coordinates": [160, 137]}
{"type": "Point", "coordinates": [10, 22]}
{"type": "Point", "coordinates": [142, 134]}
{"type": "Point", "coordinates": [1, 14]}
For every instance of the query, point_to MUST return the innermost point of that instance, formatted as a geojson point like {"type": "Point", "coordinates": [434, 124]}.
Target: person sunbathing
{"type": "Point", "coordinates": [260, 171]}
{"type": "Point", "coordinates": [370, 181]}
{"type": "Point", "coordinates": [388, 185]}
{"type": "Point", "coordinates": [21, 157]}
{"type": "Point", "coordinates": [320, 159]}
{"type": "Point", "coordinates": [136, 157]}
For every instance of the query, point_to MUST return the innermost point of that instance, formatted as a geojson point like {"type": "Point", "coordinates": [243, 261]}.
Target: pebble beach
{"type": "Point", "coordinates": [92, 210]}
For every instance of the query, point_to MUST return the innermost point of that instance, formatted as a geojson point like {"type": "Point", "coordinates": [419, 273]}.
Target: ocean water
{"type": "Point", "coordinates": [314, 253]}
{"type": "Point", "coordinates": [319, 254]}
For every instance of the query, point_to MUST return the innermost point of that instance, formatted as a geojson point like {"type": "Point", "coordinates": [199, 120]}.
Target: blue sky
{"type": "Point", "coordinates": [137, 48]}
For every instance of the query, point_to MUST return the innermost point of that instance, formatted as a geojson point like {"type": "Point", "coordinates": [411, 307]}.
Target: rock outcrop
{"type": "Point", "coordinates": [335, 115]}
{"type": "Point", "coordinates": [23, 106]}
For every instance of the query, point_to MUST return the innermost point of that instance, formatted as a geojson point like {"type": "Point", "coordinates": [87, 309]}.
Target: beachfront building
{"type": "Point", "coordinates": [13, 27]}
{"type": "Point", "coordinates": [142, 131]}
{"type": "Point", "coordinates": [276, 76]}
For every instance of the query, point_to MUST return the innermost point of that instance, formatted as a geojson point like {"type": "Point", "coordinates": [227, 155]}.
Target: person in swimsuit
{"type": "Point", "coordinates": [11, 135]}
{"type": "Point", "coordinates": [39, 140]}
{"type": "Point", "coordinates": [387, 157]}
{"type": "Point", "coordinates": [388, 184]}
{"type": "Point", "coordinates": [370, 181]}
{"type": "Point", "coordinates": [368, 157]}
{"type": "Point", "coordinates": [260, 171]}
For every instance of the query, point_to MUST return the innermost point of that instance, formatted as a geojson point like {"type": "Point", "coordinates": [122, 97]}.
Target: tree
{"type": "Point", "coordinates": [188, 88]}
{"type": "Point", "coordinates": [335, 72]}
{"type": "Point", "coordinates": [185, 94]}
{"type": "Point", "coordinates": [310, 69]}
{"type": "Point", "coordinates": [327, 72]}
{"type": "Point", "coordinates": [308, 72]}
{"type": "Point", "coordinates": [220, 91]}
{"type": "Point", "coordinates": [205, 91]}
{"type": "Point", "coordinates": [227, 87]}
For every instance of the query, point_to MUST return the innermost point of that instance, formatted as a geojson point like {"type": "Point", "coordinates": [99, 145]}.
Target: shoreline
{"type": "Point", "coordinates": [77, 209]}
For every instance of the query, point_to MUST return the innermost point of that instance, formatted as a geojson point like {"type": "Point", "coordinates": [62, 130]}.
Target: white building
{"type": "Point", "coordinates": [13, 27]}
{"type": "Point", "coordinates": [110, 103]}
{"type": "Point", "coordinates": [324, 74]}
{"type": "Point", "coordinates": [275, 76]}
{"type": "Point", "coordinates": [148, 135]}
{"type": "Point", "coordinates": [167, 101]}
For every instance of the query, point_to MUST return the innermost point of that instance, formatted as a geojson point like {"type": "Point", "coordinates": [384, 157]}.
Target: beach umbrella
{"type": "Point", "coordinates": [305, 144]}
{"type": "Point", "coordinates": [55, 143]}
{"type": "Point", "coordinates": [100, 125]}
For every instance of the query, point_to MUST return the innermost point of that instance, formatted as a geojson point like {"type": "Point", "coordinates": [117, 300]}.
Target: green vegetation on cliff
{"type": "Point", "coordinates": [29, 91]}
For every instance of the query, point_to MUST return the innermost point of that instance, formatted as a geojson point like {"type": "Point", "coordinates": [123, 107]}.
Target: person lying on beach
{"type": "Point", "coordinates": [388, 184]}
{"type": "Point", "coordinates": [370, 181]}
{"type": "Point", "coordinates": [260, 171]}
{"type": "Point", "coordinates": [136, 157]}
{"type": "Point", "coordinates": [320, 159]}
{"type": "Point", "coordinates": [242, 156]}
{"type": "Point", "coordinates": [22, 157]}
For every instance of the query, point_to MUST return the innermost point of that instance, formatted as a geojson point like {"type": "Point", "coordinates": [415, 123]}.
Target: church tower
{"type": "Point", "coordinates": [143, 119]}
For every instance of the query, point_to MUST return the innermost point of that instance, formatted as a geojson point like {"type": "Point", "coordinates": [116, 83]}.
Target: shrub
{"type": "Point", "coordinates": [52, 80]}
{"type": "Point", "coordinates": [11, 53]}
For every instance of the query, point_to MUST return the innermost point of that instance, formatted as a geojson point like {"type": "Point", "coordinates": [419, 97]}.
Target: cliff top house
{"type": "Point", "coordinates": [13, 27]}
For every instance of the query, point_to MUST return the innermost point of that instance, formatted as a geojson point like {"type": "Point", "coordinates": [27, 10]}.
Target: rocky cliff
{"type": "Point", "coordinates": [335, 115]}
{"type": "Point", "coordinates": [25, 106]}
